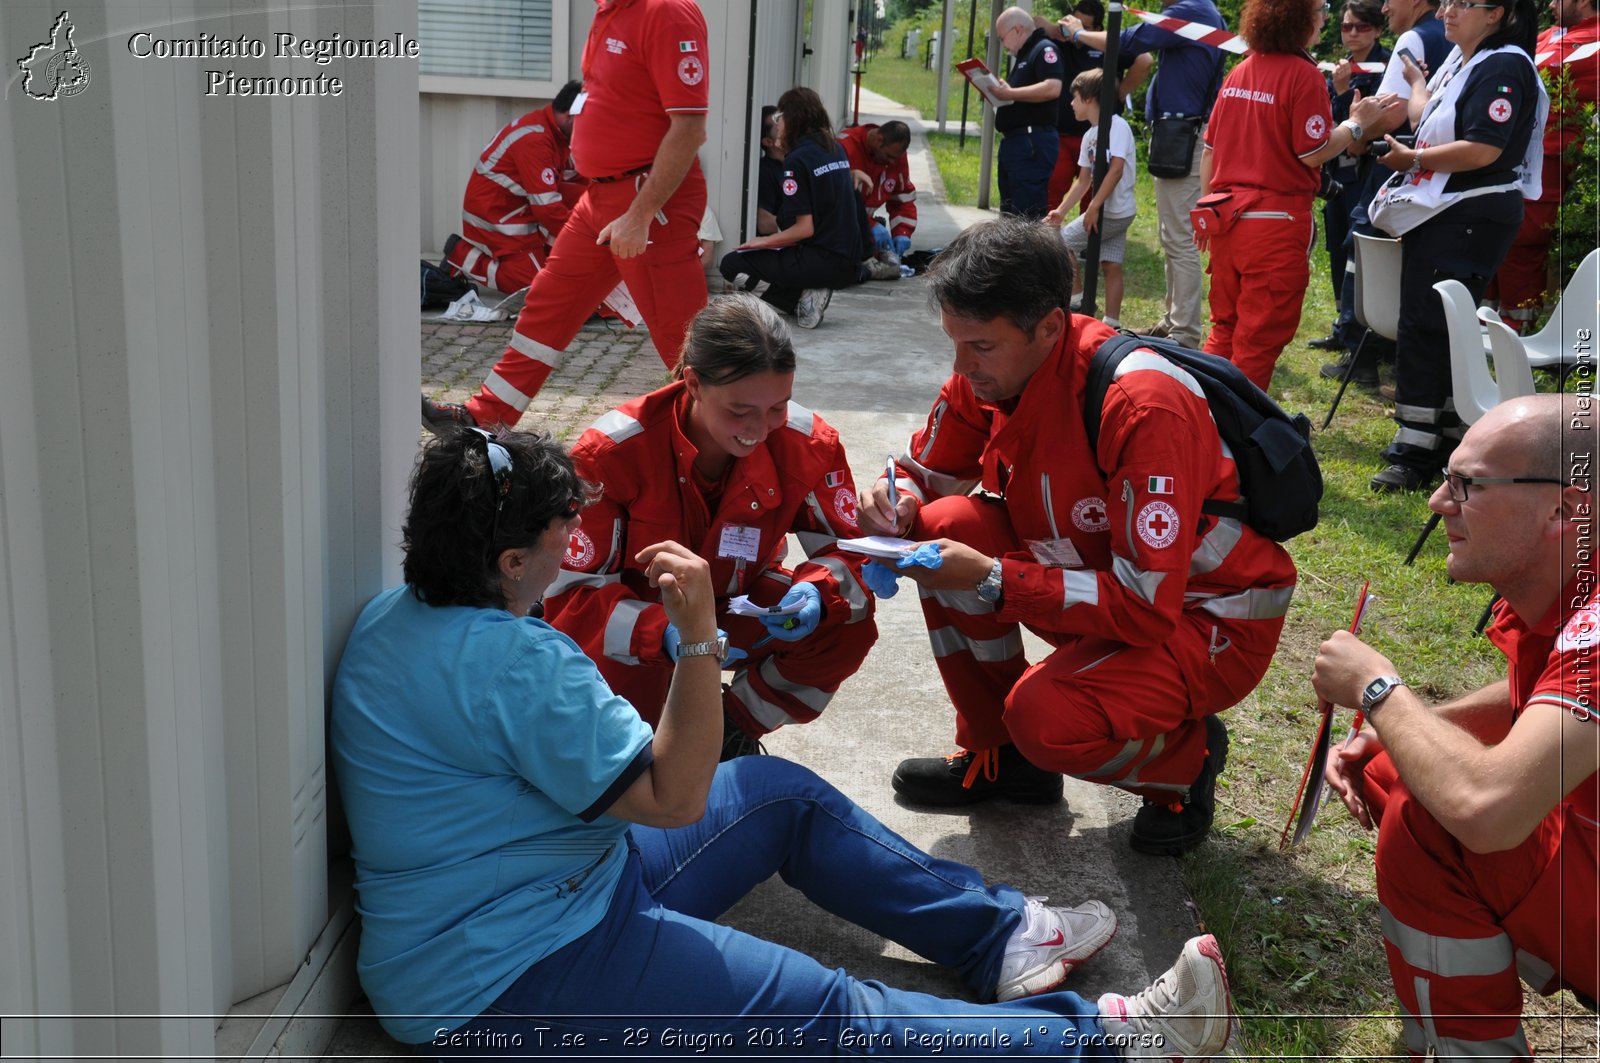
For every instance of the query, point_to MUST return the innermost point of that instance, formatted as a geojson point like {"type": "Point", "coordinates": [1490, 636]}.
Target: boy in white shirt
{"type": "Point", "coordinates": [1112, 207]}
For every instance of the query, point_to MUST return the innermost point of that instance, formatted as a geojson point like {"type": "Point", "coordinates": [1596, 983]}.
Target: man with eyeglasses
{"type": "Point", "coordinates": [1029, 142]}
{"type": "Point", "coordinates": [1488, 806]}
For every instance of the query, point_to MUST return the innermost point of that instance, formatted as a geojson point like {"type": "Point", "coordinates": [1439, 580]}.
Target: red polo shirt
{"type": "Point", "coordinates": [1272, 109]}
{"type": "Point", "coordinates": [645, 60]}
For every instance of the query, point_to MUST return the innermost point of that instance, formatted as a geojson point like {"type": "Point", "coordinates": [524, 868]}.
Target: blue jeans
{"type": "Point", "coordinates": [657, 977]}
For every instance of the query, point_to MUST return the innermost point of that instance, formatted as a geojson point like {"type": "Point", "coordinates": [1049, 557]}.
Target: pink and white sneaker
{"type": "Point", "coordinates": [1186, 1015]}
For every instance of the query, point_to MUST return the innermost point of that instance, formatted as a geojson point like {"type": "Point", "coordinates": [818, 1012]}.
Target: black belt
{"type": "Point", "coordinates": [620, 176]}
{"type": "Point", "coordinates": [1021, 129]}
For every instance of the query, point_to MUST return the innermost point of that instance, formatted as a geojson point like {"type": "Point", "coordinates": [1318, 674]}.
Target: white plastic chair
{"type": "Point", "coordinates": [1475, 388]}
{"type": "Point", "coordinates": [1377, 309]}
{"type": "Point", "coordinates": [1513, 372]}
{"type": "Point", "coordinates": [1556, 346]}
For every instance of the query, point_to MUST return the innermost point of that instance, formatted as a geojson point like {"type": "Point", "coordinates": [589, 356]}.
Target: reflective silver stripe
{"type": "Point", "coordinates": [505, 181]}
{"type": "Point", "coordinates": [491, 160]}
{"type": "Point", "coordinates": [947, 642]}
{"type": "Point", "coordinates": [769, 716]}
{"type": "Point", "coordinates": [1131, 778]}
{"type": "Point", "coordinates": [1144, 359]}
{"type": "Point", "coordinates": [508, 228]}
{"type": "Point", "coordinates": [1213, 550]}
{"type": "Point", "coordinates": [1448, 957]}
{"type": "Point", "coordinates": [853, 593]}
{"type": "Point", "coordinates": [812, 698]}
{"type": "Point", "coordinates": [1417, 1040]}
{"type": "Point", "coordinates": [1079, 585]}
{"type": "Point", "coordinates": [544, 199]}
{"type": "Point", "coordinates": [967, 602]}
{"type": "Point", "coordinates": [1417, 438]}
{"type": "Point", "coordinates": [938, 482]}
{"type": "Point", "coordinates": [800, 418]}
{"type": "Point", "coordinates": [1049, 511]}
{"type": "Point", "coordinates": [618, 640]}
{"type": "Point", "coordinates": [904, 197]}
{"type": "Point", "coordinates": [618, 426]}
{"type": "Point", "coordinates": [1117, 766]}
{"type": "Point", "coordinates": [1420, 414]}
{"type": "Point", "coordinates": [1116, 763]}
{"type": "Point", "coordinates": [1274, 215]}
{"type": "Point", "coordinates": [501, 389]}
{"type": "Point", "coordinates": [1257, 603]}
{"type": "Point", "coordinates": [906, 483]}
{"type": "Point", "coordinates": [1131, 576]}
{"type": "Point", "coordinates": [934, 420]}
{"type": "Point", "coordinates": [1534, 970]}
{"type": "Point", "coordinates": [566, 580]}
{"type": "Point", "coordinates": [529, 347]}
{"type": "Point", "coordinates": [760, 287]}
{"type": "Point", "coordinates": [812, 542]}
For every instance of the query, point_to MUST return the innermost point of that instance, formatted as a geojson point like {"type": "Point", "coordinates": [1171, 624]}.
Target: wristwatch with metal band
{"type": "Point", "coordinates": [717, 648]}
{"type": "Point", "coordinates": [989, 588]}
{"type": "Point", "coordinates": [1377, 690]}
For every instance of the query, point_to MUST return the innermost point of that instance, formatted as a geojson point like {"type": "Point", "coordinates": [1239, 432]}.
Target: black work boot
{"type": "Point", "coordinates": [1172, 829]}
{"type": "Point", "coordinates": [440, 415]}
{"type": "Point", "coordinates": [967, 777]}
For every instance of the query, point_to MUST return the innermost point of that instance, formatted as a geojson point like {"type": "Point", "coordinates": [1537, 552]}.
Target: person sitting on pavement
{"type": "Point", "coordinates": [818, 245]}
{"type": "Point", "coordinates": [1112, 207]}
{"type": "Point", "coordinates": [1270, 132]}
{"type": "Point", "coordinates": [878, 167]}
{"type": "Point", "coordinates": [518, 197]}
{"type": "Point", "coordinates": [537, 868]}
{"type": "Point", "coordinates": [1159, 615]}
{"type": "Point", "coordinates": [722, 460]}
{"type": "Point", "coordinates": [1486, 806]}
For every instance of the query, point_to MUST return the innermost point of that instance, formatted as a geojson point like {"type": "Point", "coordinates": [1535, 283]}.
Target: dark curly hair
{"type": "Point", "coordinates": [1278, 25]}
{"type": "Point", "coordinates": [475, 495]}
{"type": "Point", "coordinates": [804, 115]}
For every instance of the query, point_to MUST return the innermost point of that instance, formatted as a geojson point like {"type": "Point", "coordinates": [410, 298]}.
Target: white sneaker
{"type": "Point", "coordinates": [813, 301]}
{"type": "Point", "coordinates": [1049, 943]}
{"type": "Point", "coordinates": [881, 269]}
{"type": "Point", "coordinates": [1185, 1015]}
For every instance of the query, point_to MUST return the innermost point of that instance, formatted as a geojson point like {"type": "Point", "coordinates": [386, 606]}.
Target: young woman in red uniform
{"type": "Point", "coordinates": [1270, 132]}
{"type": "Point", "coordinates": [722, 461]}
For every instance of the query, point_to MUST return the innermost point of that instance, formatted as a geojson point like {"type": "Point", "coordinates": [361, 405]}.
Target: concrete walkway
{"type": "Point", "coordinates": [872, 370]}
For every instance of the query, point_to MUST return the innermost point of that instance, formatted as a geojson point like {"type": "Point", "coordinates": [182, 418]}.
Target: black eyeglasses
{"type": "Point", "coordinates": [1460, 485]}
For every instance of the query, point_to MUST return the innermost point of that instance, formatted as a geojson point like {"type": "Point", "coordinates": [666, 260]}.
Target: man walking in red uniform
{"type": "Point", "coordinates": [1520, 284]}
{"type": "Point", "coordinates": [517, 198]}
{"type": "Point", "coordinates": [1488, 806]}
{"type": "Point", "coordinates": [637, 127]}
{"type": "Point", "coordinates": [1160, 615]}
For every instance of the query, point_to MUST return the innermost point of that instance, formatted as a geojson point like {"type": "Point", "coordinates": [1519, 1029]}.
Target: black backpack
{"type": "Point", "coordinates": [441, 288]}
{"type": "Point", "coordinates": [1280, 482]}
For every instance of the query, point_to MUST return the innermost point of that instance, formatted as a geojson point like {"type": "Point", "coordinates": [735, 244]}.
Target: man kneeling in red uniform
{"type": "Point", "coordinates": [1488, 806]}
{"type": "Point", "coordinates": [1161, 616]}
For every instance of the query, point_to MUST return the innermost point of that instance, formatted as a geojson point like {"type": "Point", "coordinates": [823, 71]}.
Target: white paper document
{"type": "Point", "coordinates": [882, 547]}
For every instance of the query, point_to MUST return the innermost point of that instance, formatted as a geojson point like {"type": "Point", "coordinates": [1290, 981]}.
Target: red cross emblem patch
{"type": "Point", "coordinates": [1157, 524]}
{"type": "Point", "coordinates": [1583, 629]}
{"type": "Point", "coordinates": [844, 504]}
{"type": "Point", "coordinates": [580, 551]}
{"type": "Point", "coordinates": [790, 186]}
{"type": "Point", "coordinates": [1315, 127]}
{"type": "Point", "coordinates": [1500, 110]}
{"type": "Point", "coordinates": [690, 70]}
{"type": "Point", "coordinates": [1089, 514]}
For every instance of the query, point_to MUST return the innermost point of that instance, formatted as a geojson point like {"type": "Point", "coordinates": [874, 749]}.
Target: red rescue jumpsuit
{"type": "Point", "coordinates": [1463, 930]}
{"type": "Point", "coordinates": [1272, 109]}
{"type": "Point", "coordinates": [798, 480]}
{"type": "Point", "coordinates": [891, 185]}
{"type": "Point", "coordinates": [644, 62]}
{"type": "Point", "coordinates": [516, 202]}
{"type": "Point", "coordinates": [1160, 615]}
{"type": "Point", "coordinates": [1520, 283]}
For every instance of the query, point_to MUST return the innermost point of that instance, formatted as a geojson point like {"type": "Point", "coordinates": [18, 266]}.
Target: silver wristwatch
{"type": "Point", "coordinates": [989, 587]}
{"type": "Point", "coordinates": [1377, 690]}
{"type": "Point", "coordinates": [1355, 127]}
{"type": "Point", "coordinates": [717, 648]}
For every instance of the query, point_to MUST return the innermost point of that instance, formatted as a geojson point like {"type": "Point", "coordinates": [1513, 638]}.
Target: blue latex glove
{"type": "Point", "coordinates": [880, 238]}
{"type": "Point", "coordinates": [882, 582]}
{"type": "Point", "coordinates": [670, 640]}
{"type": "Point", "coordinates": [926, 555]}
{"type": "Point", "coordinates": [796, 626]}
{"type": "Point", "coordinates": [902, 244]}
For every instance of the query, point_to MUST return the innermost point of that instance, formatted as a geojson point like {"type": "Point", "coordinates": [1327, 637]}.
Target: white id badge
{"type": "Point", "coordinates": [740, 541]}
{"type": "Point", "coordinates": [577, 103]}
{"type": "Point", "coordinates": [1057, 553]}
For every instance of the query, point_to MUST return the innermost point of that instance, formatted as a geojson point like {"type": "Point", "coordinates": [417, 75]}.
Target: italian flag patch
{"type": "Point", "coordinates": [1160, 485]}
{"type": "Point", "coordinates": [688, 46]}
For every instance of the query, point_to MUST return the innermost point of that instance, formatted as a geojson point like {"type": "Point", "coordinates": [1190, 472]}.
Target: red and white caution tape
{"type": "Point", "coordinates": [1232, 42]}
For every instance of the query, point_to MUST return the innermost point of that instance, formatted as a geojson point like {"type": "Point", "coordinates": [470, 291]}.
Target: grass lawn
{"type": "Point", "coordinates": [1301, 930]}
